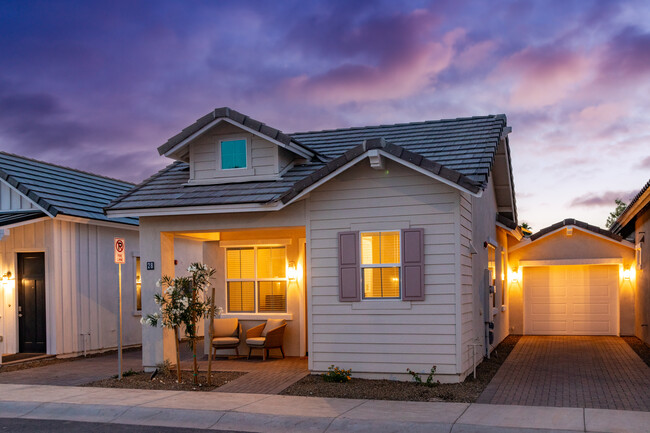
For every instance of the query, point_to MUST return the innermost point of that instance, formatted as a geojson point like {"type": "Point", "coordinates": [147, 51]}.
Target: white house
{"type": "Point", "coordinates": [59, 287]}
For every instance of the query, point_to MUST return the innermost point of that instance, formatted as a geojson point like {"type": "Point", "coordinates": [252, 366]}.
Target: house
{"type": "Point", "coordinates": [59, 288]}
{"type": "Point", "coordinates": [634, 223]}
{"type": "Point", "coordinates": [373, 243]}
{"type": "Point", "coordinates": [384, 248]}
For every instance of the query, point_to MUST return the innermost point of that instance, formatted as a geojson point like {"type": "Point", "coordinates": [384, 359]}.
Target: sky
{"type": "Point", "coordinates": [99, 86]}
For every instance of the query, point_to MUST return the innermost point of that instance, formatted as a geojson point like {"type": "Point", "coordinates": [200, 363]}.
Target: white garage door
{"type": "Point", "coordinates": [571, 300]}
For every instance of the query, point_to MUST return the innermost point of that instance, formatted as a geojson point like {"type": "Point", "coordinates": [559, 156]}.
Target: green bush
{"type": "Point", "coordinates": [335, 374]}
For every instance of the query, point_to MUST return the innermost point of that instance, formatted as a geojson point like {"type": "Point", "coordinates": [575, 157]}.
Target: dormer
{"type": "Point", "coordinates": [225, 146]}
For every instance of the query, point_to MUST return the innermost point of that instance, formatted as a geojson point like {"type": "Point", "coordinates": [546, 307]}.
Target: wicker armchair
{"type": "Point", "coordinates": [226, 334]}
{"type": "Point", "coordinates": [269, 335]}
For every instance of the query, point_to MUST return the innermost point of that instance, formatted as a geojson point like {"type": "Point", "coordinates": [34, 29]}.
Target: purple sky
{"type": "Point", "coordinates": [98, 86]}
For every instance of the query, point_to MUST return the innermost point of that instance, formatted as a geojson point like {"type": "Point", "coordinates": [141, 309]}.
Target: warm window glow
{"type": "Point", "coordinates": [263, 268]}
{"type": "Point", "coordinates": [504, 278]}
{"type": "Point", "coordinates": [380, 262]}
{"type": "Point", "coordinates": [493, 270]}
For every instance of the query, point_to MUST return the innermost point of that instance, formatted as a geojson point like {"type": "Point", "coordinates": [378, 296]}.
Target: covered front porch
{"type": "Point", "coordinates": [260, 275]}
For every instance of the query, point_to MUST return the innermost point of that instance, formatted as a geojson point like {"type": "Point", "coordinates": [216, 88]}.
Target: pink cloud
{"type": "Point", "coordinates": [543, 76]}
{"type": "Point", "coordinates": [605, 198]}
{"type": "Point", "coordinates": [474, 55]}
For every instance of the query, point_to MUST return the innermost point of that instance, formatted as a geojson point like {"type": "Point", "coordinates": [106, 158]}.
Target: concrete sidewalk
{"type": "Point", "coordinates": [286, 414]}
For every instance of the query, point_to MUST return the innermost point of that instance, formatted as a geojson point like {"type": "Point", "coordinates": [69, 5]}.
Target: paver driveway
{"type": "Point", "coordinates": [592, 372]}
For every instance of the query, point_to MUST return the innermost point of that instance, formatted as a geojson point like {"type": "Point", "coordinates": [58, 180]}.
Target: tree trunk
{"type": "Point", "coordinates": [196, 367]}
{"type": "Point", "coordinates": [211, 336]}
{"type": "Point", "coordinates": [178, 355]}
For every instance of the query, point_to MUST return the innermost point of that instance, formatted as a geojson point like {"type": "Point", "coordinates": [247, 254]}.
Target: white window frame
{"type": "Point", "coordinates": [382, 265]}
{"type": "Point", "coordinates": [256, 280]}
{"type": "Point", "coordinates": [248, 154]}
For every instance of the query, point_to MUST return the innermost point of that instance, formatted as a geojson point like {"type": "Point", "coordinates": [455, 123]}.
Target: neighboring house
{"type": "Point", "coordinates": [373, 243]}
{"type": "Point", "coordinates": [634, 223]}
{"type": "Point", "coordinates": [59, 290]}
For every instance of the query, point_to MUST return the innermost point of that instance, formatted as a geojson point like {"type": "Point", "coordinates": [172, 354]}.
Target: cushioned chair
{"type": "Point", "coordinates": [269, 335]}
{"type": "Point", "coordinates": [226, 335]}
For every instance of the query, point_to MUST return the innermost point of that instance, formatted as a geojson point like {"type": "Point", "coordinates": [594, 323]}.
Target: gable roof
{"type": "Point", "coordinates": [204, 123]}
{"type": "Point", "coordinates": [461, 152]}
{"type": "Point", "coordinates": [624, 224]}
{"type": "Point", "coordinates": [575, 223]}
{"type": "Point", "coordinates": [62, 190]}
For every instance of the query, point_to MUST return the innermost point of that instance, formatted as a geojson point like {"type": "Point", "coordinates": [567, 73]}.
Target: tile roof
{"type": "Point", "coordinates": [63, 190]}
{"type": "Point", "coordinates": [460, 150]}
{"type": "Point", "coordinates": [7, 218]}
{"type": "Point", "coordinates": [576, 223]}
{"type": "Point", "coordinates": [617, 227]}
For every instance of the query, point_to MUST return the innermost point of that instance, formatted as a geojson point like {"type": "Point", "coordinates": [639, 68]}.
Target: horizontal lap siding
{"type": "Point", "coordinates": [383, 336]}
{"type": "Point", "coordinates": [203, 157]}
{"type": "Point", "coordinates": [264, 157]}
{"type": "Point", "coordinates": [467, 305]}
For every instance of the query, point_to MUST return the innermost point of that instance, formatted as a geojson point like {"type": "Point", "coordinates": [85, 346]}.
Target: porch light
{"type": "Point", "coordinates": [6, 277]}
{"type": "Point", "coordinates": [627, 274]}
{"type": "Point", "coordinates": [515, 276]}
{"type": "Point", "coordinates": [291, 271]}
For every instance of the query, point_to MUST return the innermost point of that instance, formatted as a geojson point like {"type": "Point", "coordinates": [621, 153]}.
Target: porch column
{"type": "Point", "coordinates": [157, 247]}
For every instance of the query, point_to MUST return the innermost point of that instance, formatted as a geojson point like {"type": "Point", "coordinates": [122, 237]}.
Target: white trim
{"type": "Point", "coordinates": [195, 210]}
{"type": "Point", "coordinates": [623, 242]}
{"type": "Point", "coordinates": [110, 224]}
{"type": "Point", "coordinates": [248, 170]}
{"type": "Point", "coordinates": [293, 148]}
{"type": "Point", "coordinates": [397, 265]}
{"type": "Point", "coordinates": [253, 243]}
{"type": "Point", "coordinates": [565, 262]}
{"type": "Point", "coordinates": [235, 179]}
{"type": "Point", "coordinates": [24, 223]}
{"type": "Point", "coordinates": [29, 199]}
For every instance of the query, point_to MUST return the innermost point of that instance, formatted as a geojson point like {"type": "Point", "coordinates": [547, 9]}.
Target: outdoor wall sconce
{"type": "Point", "coordinates": [6, 277]}
{"type": "Point", "coordinates": [627, 274]}
{"type": "Point", "coordinates": [515, 276]}
{"type": "Point", "coordinates": [291, 271]}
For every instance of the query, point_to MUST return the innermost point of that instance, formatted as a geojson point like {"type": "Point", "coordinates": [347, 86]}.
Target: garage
{"type": "Point", "coordinates": [571, 300]}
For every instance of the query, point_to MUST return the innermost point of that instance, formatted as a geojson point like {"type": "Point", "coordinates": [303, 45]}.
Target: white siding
{"type": "Point", "coordinates": [385, 337]}
{"type": "Point", "coordinates": [468, 333]}
{"type": "Point", "coordinates": [80, 284]}
{"type": "Point", "coordinates": [264, 157]}
{"type": "Point", "coordinates": [10, 199]}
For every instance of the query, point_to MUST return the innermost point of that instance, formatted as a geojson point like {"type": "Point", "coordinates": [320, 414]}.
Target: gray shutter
{"type": "Point", "coordinates": [413, 264]}
{"type": "Point", "coordinates": [349, 269]}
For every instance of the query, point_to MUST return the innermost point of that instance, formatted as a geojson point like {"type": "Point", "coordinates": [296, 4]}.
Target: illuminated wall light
{"type": "Point", "coordinates": [627, 274]}
{"type": "Point", "coordinates": [291, 271]}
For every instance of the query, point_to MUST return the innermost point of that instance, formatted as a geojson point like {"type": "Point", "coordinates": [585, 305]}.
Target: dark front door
{"type": "Point", "coordinates": [31, 302]}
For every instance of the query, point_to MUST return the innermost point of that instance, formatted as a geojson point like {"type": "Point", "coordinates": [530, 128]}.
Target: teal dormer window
{"type": "Point", "coordinates": [233, 154]}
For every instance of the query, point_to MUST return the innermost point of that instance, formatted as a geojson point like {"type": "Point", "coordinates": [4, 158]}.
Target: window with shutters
{"type": "Point", "coordinates": [256, 280]}
{"type": "Point", "coordinates": [380, 264]}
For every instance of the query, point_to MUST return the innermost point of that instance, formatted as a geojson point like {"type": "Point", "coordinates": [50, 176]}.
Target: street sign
{"type": "Point", "coordinates": [120, 254]}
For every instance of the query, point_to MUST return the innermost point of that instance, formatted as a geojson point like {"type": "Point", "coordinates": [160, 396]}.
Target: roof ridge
{"type": "Point", "coordinates": [390, 125]}
{"type": "Point", "coordinates": [142, 184]}
{"type": "Point", "coordinates": [66, 168]}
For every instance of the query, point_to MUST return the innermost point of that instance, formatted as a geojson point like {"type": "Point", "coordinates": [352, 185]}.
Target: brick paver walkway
{"type": "Point", "coordinates": [589, 372]}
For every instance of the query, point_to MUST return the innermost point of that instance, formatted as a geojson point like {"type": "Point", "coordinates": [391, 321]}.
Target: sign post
{"type": "Point", "coordinates": [120, 259]}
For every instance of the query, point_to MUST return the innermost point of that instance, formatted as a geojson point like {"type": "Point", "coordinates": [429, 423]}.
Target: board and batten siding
{"type": "Point", "coordinates": [384, 337]}
{"type": "Point", "coordinates": [468, 332]}
{"type": "Point", "coordinates": [10, 199]}
{"type": "Point", "coordinates": [80, 285]}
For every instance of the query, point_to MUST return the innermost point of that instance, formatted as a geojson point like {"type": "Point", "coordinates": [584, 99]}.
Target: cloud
{"type": "Point", "coordinates": [603, 199]}
{"type": "Point", "coordinates": [644, 163]}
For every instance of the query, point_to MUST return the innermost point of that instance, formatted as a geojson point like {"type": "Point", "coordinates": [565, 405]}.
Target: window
{"type": "Point", "coordinates": [493, 271]}
{"type": "Point", "coordinates": [233, 154]}
{"type": "Point", "coordinates": [138, 285]}
{"type": "Point", "coordinates": [256, 279]}
{"type": "Point", "coordinates": [380, 264]}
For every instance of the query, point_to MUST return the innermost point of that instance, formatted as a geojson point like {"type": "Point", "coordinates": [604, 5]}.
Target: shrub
{"type": "Point", "coordinates": [335, 374]}
{"type": "Point", "coordinates": [429, 382]}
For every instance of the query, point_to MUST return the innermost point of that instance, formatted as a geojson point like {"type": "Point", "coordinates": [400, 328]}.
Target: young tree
{"type": "Point", "coordinates": [613, 216]}
{"type": "Point", "coordinates": [181, 303]}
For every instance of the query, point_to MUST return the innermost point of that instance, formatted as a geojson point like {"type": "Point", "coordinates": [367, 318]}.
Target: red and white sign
{"type": "Point", "coordinates": [120, 254]}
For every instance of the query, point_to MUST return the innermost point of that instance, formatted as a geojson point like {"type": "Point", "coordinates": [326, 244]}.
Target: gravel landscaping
{"type": "Point", "coordinates": [166, 380]}
{"type": "Point", "coordinates": [467, 391]}
{"type": "Point", "coordinates": [641, 349]}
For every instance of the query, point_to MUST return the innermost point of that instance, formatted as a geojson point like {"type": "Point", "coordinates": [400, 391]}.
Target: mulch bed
{"type": "Point", "coordinates": [51, 361]}
{"type": "Point", "coordinates": [466, 392]}
{"type": "Point", "coordinates": [166, 381]}
{"type": "Point", "coordinates": [641, 348]}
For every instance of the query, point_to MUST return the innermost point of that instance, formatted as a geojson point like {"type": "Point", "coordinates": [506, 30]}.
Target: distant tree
{"type": "Point", "coordinates": [525, 225]}
{"type": "Point", "coordinates": [613, 216]}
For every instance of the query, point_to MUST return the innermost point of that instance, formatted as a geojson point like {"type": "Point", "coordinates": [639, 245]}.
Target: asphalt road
{"type": "Point", "coordinates": [47, 426]}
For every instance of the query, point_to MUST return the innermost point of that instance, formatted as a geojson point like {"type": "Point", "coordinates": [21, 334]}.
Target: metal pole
{"type": "Point", "coordinates": [119, 321]}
